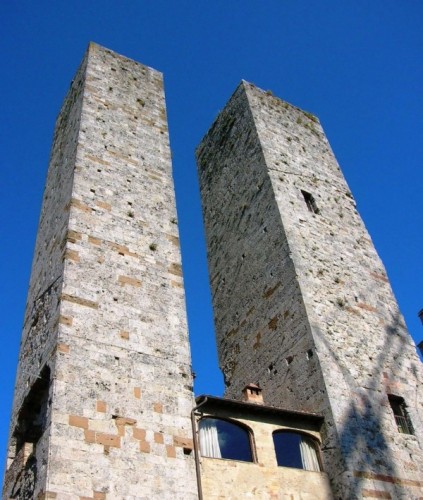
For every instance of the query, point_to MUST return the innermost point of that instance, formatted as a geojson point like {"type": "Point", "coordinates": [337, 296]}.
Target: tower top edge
{"type": "Point", "coordinates": [249, 89]}
{"type": "Point", "coordinates": [96, 47]}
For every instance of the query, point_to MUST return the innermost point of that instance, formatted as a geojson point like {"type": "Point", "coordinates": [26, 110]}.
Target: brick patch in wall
{"type": "Point", "coordinates": [388, 479]}
{"type": "Point", "coordinates": [104, 205]}
{"type": "Point", "coordinates": [380, 277]}
{"type": "Point", "coordinates": [63, 348]}
{"type": "Point", "coordinates": [107, 439]}
{"type": "Point", "coordinates": [76, 421]}
{"type": "Point", "coordinates": [273, 323]}
{"type": "Point", "coordinates": [99, 495]}
{"type": "Point", "coordinates": [137, 392]}
{"type": "Point", "coordinates": [175, 269]}
{"type": "Point", "coordinates": [139, 433]}
{"type": "Point", "coordinates": [366, 307]}
{"type": "Point", "coordinates": [144, 447]}
{"type": "Point", "coordinates": [158, 438]}
{"type": "Point", "coordinates": [173, 239]}
{"type": "Point", "coordinates": [270, 291]}
{"type": "Point", "coordinates": [79, 205]}
{"type": "Point", "coordinates": [95, 159]}
{"type": "Point", "coordinates": [124, 334]}
{"type": "Point", "coordinates": [170, 451]}
{"type": "Point", "coordinates": [158, 407]}
{"type": "Point", "coordinates": [94, 241]}
{"type": "Point", "coordinates": [121, 249]}
{"type": "Point", "coordinates": [366, 493]}
{"type": "Point", "coordinates": [121, 422]}
{"type": "Point", "coordinates": [73, 236]}
{"type": "Point", "coordinates": [80, 301]}
{"type": "Point", "coordinates": [127, 280]}
{"type": "Point", "coordinates": [72, 255]}
{"type": "Point", "coordinates": [65, 320]}
{"type": "Point", "coordinates": [101, 406]}
{"type": "Point", "coordinates": [182, 442]}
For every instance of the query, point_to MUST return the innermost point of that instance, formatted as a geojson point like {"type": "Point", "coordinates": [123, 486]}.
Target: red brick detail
{"type": "Point", "coordinates": [65, 320]}
{"type": "Point", "coordinates": [77, 421]}
{"type": "Point", "coordinates": [101, 406]}
{"type": "Point", "coordinates": [182, 442]}
{"type": "Point", "coordinates": [175, 269]}
{"type": "Point", "coordinates": [63, 348]}
{"type": "Point", "coordinates": [380, 277]}
{"type": "Point", "coordinates": [80, 301]}
{"type": "Point", "coordinates": [366, 307]}
{"type": "Point", "coordinates": [94, 241]}
{"type": "Point", "coordinates": [352, 310]}
{"type": "Point", "coordinates": [73, 236]}
{"type": "Point", "coordinates": [121, 422]}
{"type": "Point", "coordinates": [158, 407]}
{"type": "Point", "coordinates": [99, 495]}
{"type": "Point", "coordinates": [127, 280]}
{"type": "Point", "coordinates": [375, 494]}
{"type": "Point", "coordinates": [388, 479]}
{"type": "Point", "coordinates": [137, 392]}
{"type": "Point", "coordinates": [89, 436]}
{"type": "Point", "coordinates": [80, 206]}
{"type": "Point", "coordinates": [139, 433]}
{"type": "Point", "coordinates": [170, 451]}
{"type": "Point", "coordinates": [104, 205]}
{"type": "Point", "coordinates": [158, 438]}
{"type": "Point", "coordinates": [270, 291]}
{"type": "Point", "coordinates": [144, 447]}
{"type": "Point", "coordinates": [124, 334]}
{"type": "Point", "coordinates": [107, 439]}
{"type": "Point", "coordinates": [72, 255]}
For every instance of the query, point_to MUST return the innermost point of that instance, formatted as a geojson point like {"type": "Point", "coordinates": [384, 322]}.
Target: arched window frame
{"type": "Point", "coordinates": [236, 423]}
{"type": "Point", "coordinates": [315, 441]}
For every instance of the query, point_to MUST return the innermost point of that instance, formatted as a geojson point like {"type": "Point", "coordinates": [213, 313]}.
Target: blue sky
{"type": "Point", "coordinates": [356, 64]}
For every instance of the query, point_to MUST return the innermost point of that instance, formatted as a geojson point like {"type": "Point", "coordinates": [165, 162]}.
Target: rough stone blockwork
{"type": "Point", "coordinates": [302, 302]}
{"type": "Point", "coordinates": [104, 387]}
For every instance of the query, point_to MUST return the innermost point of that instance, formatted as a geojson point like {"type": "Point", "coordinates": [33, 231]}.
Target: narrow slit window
{"type": "Point", "coordinates": [310, 202]}
{"type": "Point", "coordinates": [402, 419]}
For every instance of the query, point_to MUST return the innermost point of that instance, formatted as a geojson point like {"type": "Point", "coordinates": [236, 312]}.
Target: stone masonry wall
{"type": "Point", "coordinates": [39, 335]}
{"type": "Point", "coordinates": [122, 391]}
{"type": "Point", "coordinates": [302, 302]}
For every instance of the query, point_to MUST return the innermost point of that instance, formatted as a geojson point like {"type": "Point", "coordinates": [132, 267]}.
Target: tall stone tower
{"type": "Point", "coordinates": [104, 387]}
{"type": "Point", "coordinates": [302, 302]}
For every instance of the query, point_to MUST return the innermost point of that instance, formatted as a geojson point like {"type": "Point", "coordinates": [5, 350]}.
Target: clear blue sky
{"type": "Point", "coordinates": [357, 64]}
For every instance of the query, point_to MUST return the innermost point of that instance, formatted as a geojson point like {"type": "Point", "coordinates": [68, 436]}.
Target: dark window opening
{"type": "Point", "coordinates": [310, 202]}
{"type": "Point", "coordinates": [32, 418]}
{"type": "Point", "coordinates": [402, 419]}
{"type": "Point", "coordinates": [296, 450]}
{"type": "Point", "coordinates": [224, 439]}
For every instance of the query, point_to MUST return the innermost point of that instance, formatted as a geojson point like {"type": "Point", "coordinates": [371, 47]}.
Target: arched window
{"type": "Point", "coordinates": [223, 439]}
{"type": "Point", "coordinates": [297, 450]}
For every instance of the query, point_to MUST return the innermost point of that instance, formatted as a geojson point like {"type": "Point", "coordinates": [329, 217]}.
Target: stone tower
{"type": "Point", "coordinates": [302, 302]}
{"type": "Point", "coordinates": [104, 387]}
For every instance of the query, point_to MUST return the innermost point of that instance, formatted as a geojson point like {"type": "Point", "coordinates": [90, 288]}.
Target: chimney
{"type": "Point", "coordinates": [252, 394]}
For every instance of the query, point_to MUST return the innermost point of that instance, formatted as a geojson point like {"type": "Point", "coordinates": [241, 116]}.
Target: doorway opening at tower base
{"type": "Point", "coordinates": [31, 423]}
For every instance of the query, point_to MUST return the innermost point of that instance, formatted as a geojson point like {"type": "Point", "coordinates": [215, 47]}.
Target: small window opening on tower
{"type": "Point", "coordinates": [310, 202]}
{"type": "Point", "coordinates": [402, 419]}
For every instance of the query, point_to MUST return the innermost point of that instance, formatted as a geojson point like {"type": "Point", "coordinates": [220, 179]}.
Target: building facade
{"type": "Point", "coordinates": [104, 406]}
{"type": "Point", "coordinates": [104, 386]}
{"type": "Point", "coordinates": [302, 302]}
